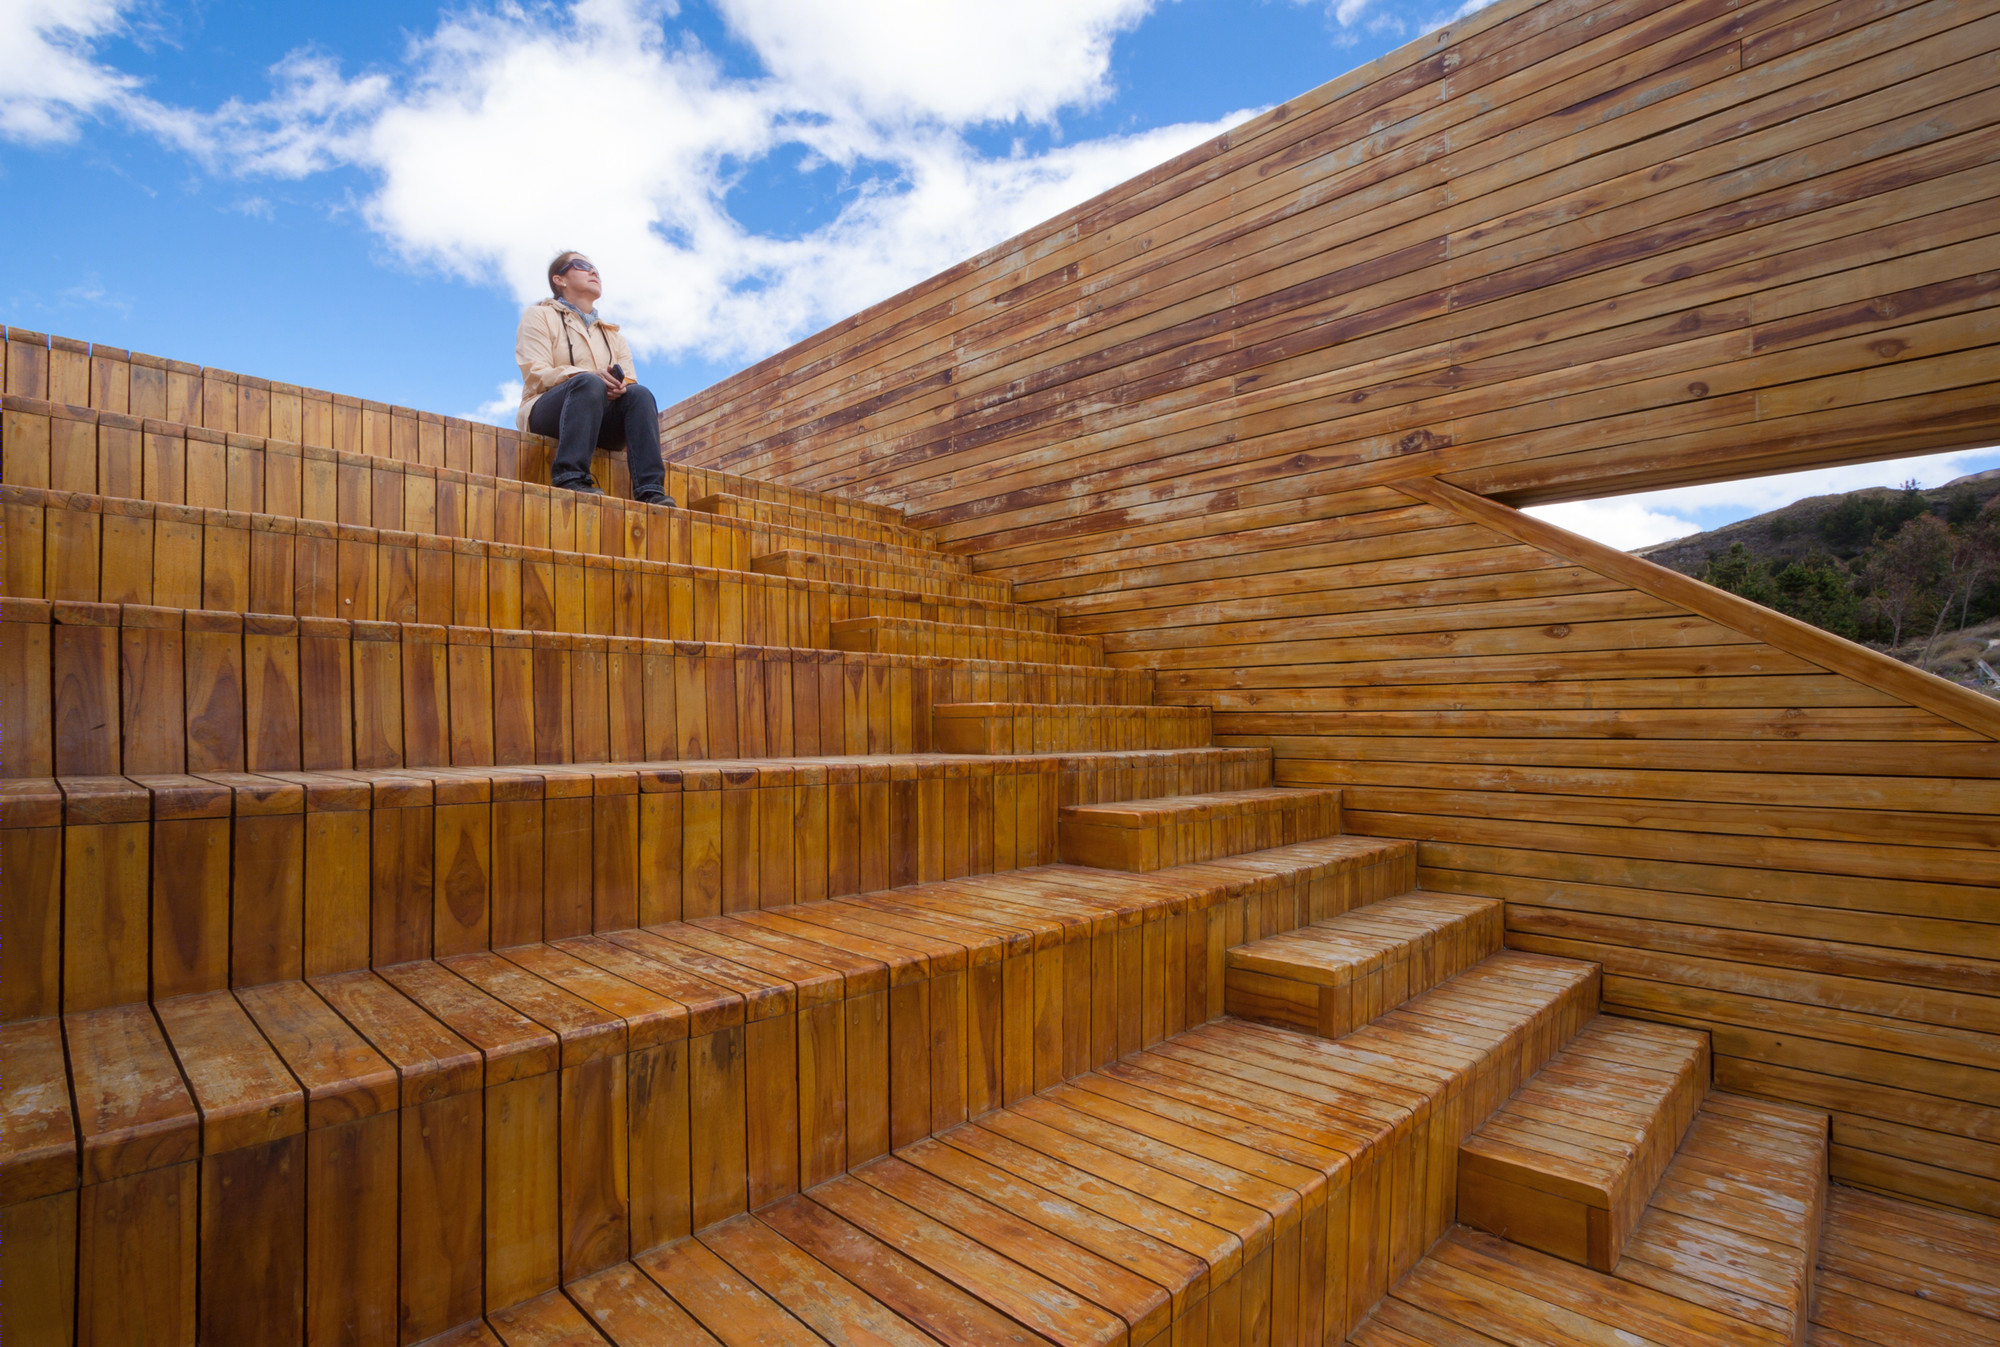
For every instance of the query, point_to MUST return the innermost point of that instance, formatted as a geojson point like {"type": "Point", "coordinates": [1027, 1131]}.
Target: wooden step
{"type": "Point", "coordinates": [800, 564]}
{"type": "Point", "coordinates": [810, 520]}
{"type": "Point", "coordinates": [1231, 1184]}
{"type": "Point", "coordinates": [98, 549]}
{"type": "Point", "coordinates": [122, 459]}
{"type": "Point", "coordinates": [1569, 1165]}
{"type": "Point", "coordinates": [1735, 1223]}
{"type": "Point", "coordinates": [1017, 727]}
{"type": "Point", "coordinates": [1175, 830]}
{"type": "Point", "coordinates": [1724, 1253]}
{"type": "Point", "coordinates": [922, 636]}
{"type": "Point", "coordinates": [117, 384]}
{"type": "Point", "coordinates": [1356, 871]}
{"type": "Point", "coordinates": [1343, 971]}
{"type": "Point", "coordinates": [457, 1135]}
{"type": "Point", "coordinates": [90, 689]}
{"type": "Point", "coordinates": [118, 883]}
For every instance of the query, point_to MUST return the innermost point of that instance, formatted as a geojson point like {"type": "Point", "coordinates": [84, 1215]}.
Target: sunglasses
{"type": "Point", "coordinates": [578, 265]}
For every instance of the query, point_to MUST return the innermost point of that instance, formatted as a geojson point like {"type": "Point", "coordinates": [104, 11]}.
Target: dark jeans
{"type": "Point", "coordinates": [580, 415]}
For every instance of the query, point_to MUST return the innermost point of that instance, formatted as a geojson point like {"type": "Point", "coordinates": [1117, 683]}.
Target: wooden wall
{"type": "Point", "coordinates": [1258, 417]}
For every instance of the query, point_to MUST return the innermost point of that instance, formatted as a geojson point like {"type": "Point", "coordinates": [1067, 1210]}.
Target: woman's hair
{"type": "Point", "coordinates": [563, 259]}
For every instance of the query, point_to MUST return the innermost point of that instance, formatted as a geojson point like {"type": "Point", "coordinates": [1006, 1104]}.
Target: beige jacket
{"type": "Point", "coordinates": [552, 345]}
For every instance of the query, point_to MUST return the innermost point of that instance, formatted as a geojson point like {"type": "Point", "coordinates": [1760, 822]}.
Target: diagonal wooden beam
{"type": "Point", "coordinates": [1961, 706]}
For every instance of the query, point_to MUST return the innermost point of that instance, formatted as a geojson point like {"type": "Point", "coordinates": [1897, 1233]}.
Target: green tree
{"type": "Point", "coordinates": [1740, 572]}
{"type": "Point", "coordinates": [1863, 518]}
{"type": "Point", "coordinates": [1909, 576]}
{"type": "Point", "coordinates": [1816, 588]}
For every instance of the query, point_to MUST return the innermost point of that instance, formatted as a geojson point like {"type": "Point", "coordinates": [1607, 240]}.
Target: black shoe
{"type": "Point", "coordinates": [583, 487]}
{"type": "Point", "coordinates": [656, 497]}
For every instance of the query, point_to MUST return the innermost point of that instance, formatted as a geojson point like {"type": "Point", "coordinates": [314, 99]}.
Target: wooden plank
{"type": "Point", "coordinates": [1786, 633]}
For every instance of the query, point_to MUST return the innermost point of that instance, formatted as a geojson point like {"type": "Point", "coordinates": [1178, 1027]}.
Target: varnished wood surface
{"type": "Point", "coordinates": [1554, 250]}
{"type": "Point", "coordinates": [1724, 1253]}
{"type": "Point", "coordinates": [1231, 1185]}
{"type": "Point", "coordinates": [1569, 1164]}
{"type": "Point", "coordinates": [440, 1139]}
{"type": "Point", "coordinates": [1344, 970]}
{"type": "Point", "coordinates": [1899, 1274]}
{"type": "Point", "coordinates": [1147, 834]}
{"type": "Point", "coordinates": [135, 387]}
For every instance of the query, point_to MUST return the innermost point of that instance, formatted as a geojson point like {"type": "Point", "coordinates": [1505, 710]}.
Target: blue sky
{"type": "Point", "coordinates": [360, 197]}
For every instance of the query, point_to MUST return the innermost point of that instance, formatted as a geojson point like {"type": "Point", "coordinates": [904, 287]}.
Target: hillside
{"type": "Point", "coordinates": [1910, 571]}
{"type": "Point", "coordinates": [1843, 524]}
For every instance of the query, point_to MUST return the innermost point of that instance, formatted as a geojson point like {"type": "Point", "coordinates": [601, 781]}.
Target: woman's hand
{"type": "Point", "coordinates": [614, 387]}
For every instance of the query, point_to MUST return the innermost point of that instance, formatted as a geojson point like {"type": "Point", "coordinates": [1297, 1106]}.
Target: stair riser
{"type": "Point", "coordinates": [118, 388]}
{"type": "Point", "coordinates": [146, 690]}
{"type": "Point", "coordinates": [247, 880]}
{"type": "Point", "coordinates": [1053, 729]}
{"type": "Point", "coordinates": [173, 468]}
{"type": "Point", "coordinates": [907, 636]}
{"type": "Point", "coordinates": [1333, 1009]}
{"type": "Point", "coordinates": [474, 1188]}
{"type": "Point", "coordinates": [1190, 839]}
{"type": "Point", "coordinates": [93, 549]}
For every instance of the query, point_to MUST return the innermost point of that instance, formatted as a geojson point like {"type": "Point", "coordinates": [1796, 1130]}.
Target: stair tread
{"type": "Point", "coordinates": [1569, 1164]}
{"type": "Point", "coordinates": [248, 525]}
{"type": "Point", "coordinates": [1131, 1200]}
{"type": "Point", "coordinates": [1149, 813]}
{"type": "Point", "coordinates": [1734, 1269]}
{"type": "Point", "coordinates": [361, 1042]}
{"type": "Point", "coordinates": [1536, 1150]}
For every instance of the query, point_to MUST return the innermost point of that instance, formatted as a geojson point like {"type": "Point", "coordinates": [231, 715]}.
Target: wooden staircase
{"type": "Point", "coordinates": [442, 909]}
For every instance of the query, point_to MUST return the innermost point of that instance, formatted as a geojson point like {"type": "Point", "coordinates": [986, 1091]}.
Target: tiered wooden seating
{"type": "Point", "coordinates": [1017, 727]}
{"type": "Point", "coordinates": [1569, 1164]}
{"type": "Point", "coordinates": [128, 460]}
{"type": "Point", "coordinates": [1725, 1253]}
{"type": "Point", "coordinates": [1176, 830]}
{"type": "Point", "coordinates": [1343, 971]}
{"type": "Point", "coordinates": [1230, 1184]}
{"type": "Point", "coordinates": [884, 635]}
{"type": "Point", "coordinates": [1901, 1274]}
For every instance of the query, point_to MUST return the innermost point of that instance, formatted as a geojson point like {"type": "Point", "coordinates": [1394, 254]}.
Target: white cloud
{"type": "Point", "coordinates": [1396, 18]}
{"type": "Point", "coordinates": [1625, 522]}
{"type": "Point", "coordinates": [511, 132]}
{"type": "Point", "coordinates": [501, 409]}
{"type": "Point", "coordinates": [1648, 517]}
{"type": "Point", "coordinates": [956, 61]}
{"type": "Point", "coordinates": [48, 81]}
